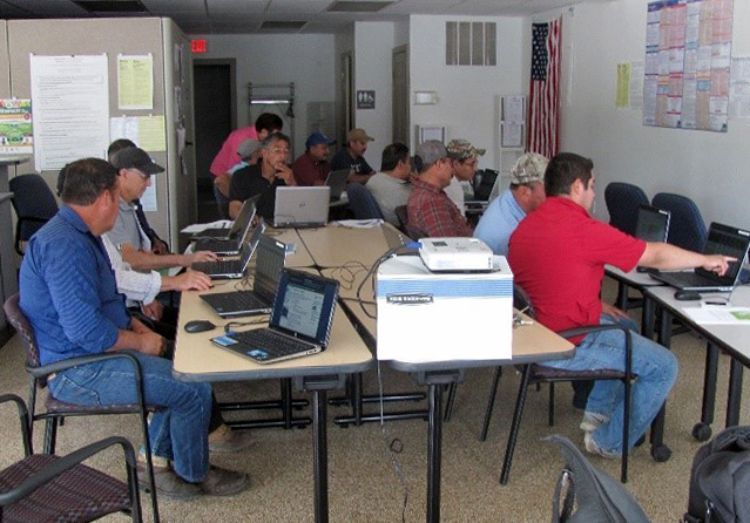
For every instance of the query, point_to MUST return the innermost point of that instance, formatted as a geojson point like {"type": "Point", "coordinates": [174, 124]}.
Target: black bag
{"type": "Point", "coordinates": [720, 479]}
{"type": "Point", "coordinates": [595, 496]}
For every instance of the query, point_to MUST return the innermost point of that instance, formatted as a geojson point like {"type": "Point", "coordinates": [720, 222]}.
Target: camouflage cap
{"type": "Point", "coordinates": [460, 149]}
{"type": "Point", "coordinates": [529, 168]}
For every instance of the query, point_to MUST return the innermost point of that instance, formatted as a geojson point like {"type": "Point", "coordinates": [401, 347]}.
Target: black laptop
{"type": "Point", "coordinates": [722, 239]}
{"type": "Point", "coordinates": [232, 269]}
{"type": "Point", "coordinates": [300, 322]}
{"type": "Point", "coordinates": [268, 266]}
{"type": "Point", "coordinates": [652, 226]}
{"type": "Point", "coordinates": [236, 231]}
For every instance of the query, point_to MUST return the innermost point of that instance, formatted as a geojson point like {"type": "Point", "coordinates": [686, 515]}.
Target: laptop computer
{"type": "Point", "coordinates": [301, 206]}
{"type": "Point", "coordinates": [268, 266]}
{"type": "Point", "coordinates": [235, 268]}
{"type": "Point", "coordinates": [238, 228]}
{"type": "Point", "coordinates": [336, 180]}
{"type": "Point", "coordinates": [652, 225]}
{"type": "Point", "coordinates": [300, 322]}
{"type": "Point", "coordinates": [722, 239]}
{"type": "Point", "coordinates": [227, 247]}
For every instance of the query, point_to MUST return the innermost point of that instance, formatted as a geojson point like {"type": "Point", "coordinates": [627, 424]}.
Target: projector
{"type": "Point", "coordinates": [455, 254]}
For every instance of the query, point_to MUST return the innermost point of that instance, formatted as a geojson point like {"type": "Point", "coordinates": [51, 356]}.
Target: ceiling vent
{"type": "Point", "coordinates": [282, 26]}
{"type": "Point", "coordinates": [112, 6]}
{"type": "Point", "coordinates": [348, 6]}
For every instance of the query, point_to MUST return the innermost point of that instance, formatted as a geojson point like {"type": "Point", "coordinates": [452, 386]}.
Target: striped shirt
{"type": "Point", "coordinates": [68, 290]}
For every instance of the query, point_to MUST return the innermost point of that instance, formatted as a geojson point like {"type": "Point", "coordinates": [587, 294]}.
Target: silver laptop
{"type": "Point", "coordinates": [301, 206]}
{"type": "Point", "coordinates": [300, 322]}
{"type": "Point", "coordinates": [239, 226]}
{"type": "Point", "coordinates": [235, 268]}
{"type": "Point", "coordinates": [722, 239]}
{"type": "Point", "coordinates": [230, 246]}
{"type": "Point", "coordinates": [336, 180]}
{"type": "Point", "coordinates": [268, 266]}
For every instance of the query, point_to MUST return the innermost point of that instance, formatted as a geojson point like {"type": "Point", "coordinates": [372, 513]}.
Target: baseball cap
{"type": "Point", "coordinates": [529, 168]}
{"type": "Point", "coordinates": [460, 149]}
{"type": "Point", "coordinates": [318, 138]}
{"type": "Point", "coordinates": [358, 135]}
{"type": "Point", "coordinates": [136, 158]}
{"type": "Point", "coordinates": [430, 152]}
{"type": "Point", "coordinates": [247, 148]}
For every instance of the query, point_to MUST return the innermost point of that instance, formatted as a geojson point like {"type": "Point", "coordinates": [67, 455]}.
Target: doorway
{"type": "Point", "coordinates": [347, 95]}
{"type": "Point", "coordinates": [400, 94]}
{"type": "Point", "coordinates": [215, 103]}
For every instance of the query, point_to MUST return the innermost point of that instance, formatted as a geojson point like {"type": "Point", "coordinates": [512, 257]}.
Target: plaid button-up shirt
{"type": "Point", "coordinates": [432, 212]}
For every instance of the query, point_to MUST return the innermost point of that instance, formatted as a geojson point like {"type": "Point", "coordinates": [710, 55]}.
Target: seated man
{"type": "Point", "coordinates": [312, 167]}
{"type": "Point", "coordinates": [558, 255]}
{"type": "Point", "coordinates": [430, 211]}
{"type": "Point", "coordinates": [262, 179]}
{"type": "Point", "coordinates": [249, 154]}
{"type": "Point", "coordinates": [135, 168]}
{"type": "Point", "coordinates": [351, 156]}
{"type": "Point", "coordinates": [390, 187]}
{"type": "Point", "coordinates": [464, 158]}
{"type": "Point", "coordinates": [69, 295]}
{"type": "Point", "coordinates": [525, 194]}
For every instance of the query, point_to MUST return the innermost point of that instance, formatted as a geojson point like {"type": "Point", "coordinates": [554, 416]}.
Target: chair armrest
{"type": "Point", "coordinates": [23, 415]}
{"type": "Point", "coordinates": [45, 370]}
{"type": "Point", "coordinates": [589, 329]}
{"type": "Point", "coordinates": [63, 464]}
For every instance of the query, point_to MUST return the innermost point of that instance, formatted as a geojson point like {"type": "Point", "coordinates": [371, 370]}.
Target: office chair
{"type": "Point", "coordinates": [403, 220]}
{"type": "Point", "coordinates": [687, 228]}
{"type": "Point", "coordinates": [623, 200]}
{"type": "Point", "coordinates": [44, 487]}
{"type": "Point", "coordinates": [56, 410]}
{"type": "Point", "coordinates": [362, 203]}
{"type": "Point", "coordinates": [34, 204]}
{"type": "Point", "coordinates": [535, 373]}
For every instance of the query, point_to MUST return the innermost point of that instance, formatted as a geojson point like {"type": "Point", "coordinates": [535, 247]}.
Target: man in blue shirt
{"type": "Point", "coordinates": [69, 295]}
{"type": "Point", "coordinates": [525, 194]}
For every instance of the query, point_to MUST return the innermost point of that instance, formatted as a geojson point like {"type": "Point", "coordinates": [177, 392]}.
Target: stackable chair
{"type": "Point", "coordinates": [623, 200]}
{"type": "Point", "coordinates": [536, 373]}
{"type": "Point", "coordinates": [34, 204]}
{"type": "Point", "coordinates": [687, 228]}
{"type": "Point", "coordinates": [403, 219]}
{"type": "Point", "coordinates": [56, 411]}
{"type": "Point", "coordinates": [362, 203]}
{"type": "Point", "coordinates": [45, 487]}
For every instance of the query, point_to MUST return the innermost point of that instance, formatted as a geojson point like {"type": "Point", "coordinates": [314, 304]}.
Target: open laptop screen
{"type": "Point", "coordinates": [729, 241]}
{"type": "Point", "coordinates": [653, 224]}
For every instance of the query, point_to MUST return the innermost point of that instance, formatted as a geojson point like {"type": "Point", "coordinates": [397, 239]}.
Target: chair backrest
{"type": "Point", "coordinates": [623, 200]}
{"type": "Point", "coordinates": [34, 204]}
{"type": "Point", "coordinates": [522, 301]}
{"type": "Point", "coordinates": [403, 219]}
{"type": "Point", "coordinates": [17, 318]}
{"type": "Point", "coordinates": [686, 228]}
{"type": "Point", "coordinates": [362, 203]}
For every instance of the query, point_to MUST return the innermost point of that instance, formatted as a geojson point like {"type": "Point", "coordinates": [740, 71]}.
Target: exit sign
{"type": "Point", "coordinates": [199, 46]}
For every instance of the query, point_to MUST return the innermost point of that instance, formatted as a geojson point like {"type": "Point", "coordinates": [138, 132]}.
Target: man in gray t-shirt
{"type": "Point", "coordinates": [391, 187]}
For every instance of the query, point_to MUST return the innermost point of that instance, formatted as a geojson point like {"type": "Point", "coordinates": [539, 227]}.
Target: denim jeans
{"type": "Point", "coordinates": [655, 366]}
{"type": "Point", "coordinates": [222, 203]}
{"type": "Point", "coordinates": [178, 432]}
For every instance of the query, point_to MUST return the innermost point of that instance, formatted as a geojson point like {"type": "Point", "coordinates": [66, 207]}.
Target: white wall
{"type": "Point", "coordinates": [467, 94]}
{"type": "Point", "coordinates": [306, 60]}
{"type": "Point", "coordinates": [711, 168]}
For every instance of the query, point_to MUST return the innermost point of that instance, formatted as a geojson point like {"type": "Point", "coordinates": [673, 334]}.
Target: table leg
{"type": "Point", "coordinates": [622, 295]}
{"type": "Point", "coordinates": [434, 441]}
{"type": "Point", "coordinates": [647, 318]}
{"type": "Point", "coordinates": [702, 430]}
{"type": "Point", "coordinates": [734, 399]}
{"type": "Point", "coordinates": [320, 455]}
{"type": "Point", "coordinates": [659, 451]}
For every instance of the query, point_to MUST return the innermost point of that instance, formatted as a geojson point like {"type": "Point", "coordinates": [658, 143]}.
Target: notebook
{"type": "Point", "coordinates": [238, 228]}
{"type": "Point", "coordinates": [652, 226]}
{"type": "Point", "coordinates": [722, 239]}
{"type": "Point", "coordinates": [336, 180]}
{"type": "Point", "coordinates": [268, 266]}
{"type": "Point", "coordinates": [235, 268]}
{"type": "Point", "coordinates": [301, 206]}
{"type": "Point", "coordinates": [300, 322]}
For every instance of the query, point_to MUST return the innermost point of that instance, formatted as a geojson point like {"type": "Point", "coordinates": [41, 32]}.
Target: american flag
{"type": "Point", "coordinates": [544, 92]}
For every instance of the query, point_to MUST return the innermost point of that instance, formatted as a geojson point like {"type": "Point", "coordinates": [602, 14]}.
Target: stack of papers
{"type": "Point", "coordinates": [718, 315]}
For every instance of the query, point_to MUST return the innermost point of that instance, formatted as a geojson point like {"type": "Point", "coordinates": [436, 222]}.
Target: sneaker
{"type": "Point", "coordinates": [593, 448]}
{"type": "Point", "coordinates": [168, 483]}
{"type": "Point", "coordinates": [224, 440]}
{"type": "Point", "coordinates": [223, 482]}
{"type": "Point", "coordinates": [592, 420]}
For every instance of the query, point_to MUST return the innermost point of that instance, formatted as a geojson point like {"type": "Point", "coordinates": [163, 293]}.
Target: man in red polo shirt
{"type": "Point", "coordinates": [558, 254]}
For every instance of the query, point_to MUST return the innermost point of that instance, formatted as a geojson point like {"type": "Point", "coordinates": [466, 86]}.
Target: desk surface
{"type": "Point", "coordinates": [335, 245]}
{"type": "Point", "coordinates": [198, 359]}
{"type": "Point", "coordinates": [300, 257]}
{"type": "Point", "coordinates": [633, 278]}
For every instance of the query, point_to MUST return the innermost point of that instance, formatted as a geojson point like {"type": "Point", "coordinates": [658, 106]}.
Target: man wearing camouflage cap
{"type": "Point", "coordinates": [464, 159]}
{"type": "Point", "coordinates": [525, 194]}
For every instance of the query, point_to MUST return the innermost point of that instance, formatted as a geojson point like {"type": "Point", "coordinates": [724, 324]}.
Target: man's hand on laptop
{"type": "Point", "coordinates": [717, 263]}
{"type": "Point", "coordinates": [192, 280]}
{"type": "Point", "coordinates": [200, 256]}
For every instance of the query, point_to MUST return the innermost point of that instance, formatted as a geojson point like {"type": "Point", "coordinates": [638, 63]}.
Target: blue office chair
{"type": "Point", "coordinates": [687, 228]}
{"type": "Point", "coordinates": [623, 200]}
{"type": "Point", "coordinates": [34, 204]}
{"type": "Point", "coordinates": [362, 203]}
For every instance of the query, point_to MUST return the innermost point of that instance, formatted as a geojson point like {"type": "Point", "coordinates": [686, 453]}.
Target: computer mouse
{"type": "Point", "coordinates": [199, 326]}
{"type": "Point", "coordinates": [687, 295]}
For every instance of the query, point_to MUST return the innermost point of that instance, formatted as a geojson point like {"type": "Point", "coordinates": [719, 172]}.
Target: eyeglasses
{"type": "Point", "coordinates": [144, 176]}
{"type": "Point", "coordinates": [278, 150]}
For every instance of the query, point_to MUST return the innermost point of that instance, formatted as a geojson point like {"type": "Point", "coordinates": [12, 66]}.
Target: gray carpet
{"type": "Point", "coordinates": [367, 483]}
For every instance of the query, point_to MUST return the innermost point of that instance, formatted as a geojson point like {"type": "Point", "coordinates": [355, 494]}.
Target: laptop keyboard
{"type": "Point", "coordinates": [232, 302]}
{"type": "Point", "coordinates": [218, 267]}
{"type": "Point", "coordinates": [276, 344]}
{"type": "Point", "coordinates": [215, 245]}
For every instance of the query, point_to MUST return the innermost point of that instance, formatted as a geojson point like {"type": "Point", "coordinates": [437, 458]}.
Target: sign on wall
{"type": "Point", "coordinates": [365, 99]}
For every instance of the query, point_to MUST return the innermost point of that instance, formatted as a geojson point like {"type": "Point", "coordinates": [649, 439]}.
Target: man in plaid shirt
{"type": "Point", "coordinates": [430, 211]}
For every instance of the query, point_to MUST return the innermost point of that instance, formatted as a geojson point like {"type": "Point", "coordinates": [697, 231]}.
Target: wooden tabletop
{"type": "Point", "coordinates": [337, 245]}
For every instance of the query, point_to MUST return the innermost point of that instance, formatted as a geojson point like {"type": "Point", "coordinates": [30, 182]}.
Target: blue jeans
{"type": "Point", "coordinates": [655, 366]}
{"type": "Point", "coordinates": [178, 432]}
{"type": "Point", "coordinates": [222, 203]}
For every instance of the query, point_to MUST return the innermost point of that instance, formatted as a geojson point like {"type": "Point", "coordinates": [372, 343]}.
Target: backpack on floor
{"type": "Point", "coordinates": [720, 479]}
{"type": "Point", "coordinates": [589, 495]}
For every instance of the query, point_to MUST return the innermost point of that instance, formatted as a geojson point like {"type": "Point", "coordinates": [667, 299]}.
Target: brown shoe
{"type": "Point", "coordinates": [224, 440]}
{"type": "Point", "coordinates": [167, 483]}
{"type": "Point", "coordinates": [223, 482]}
